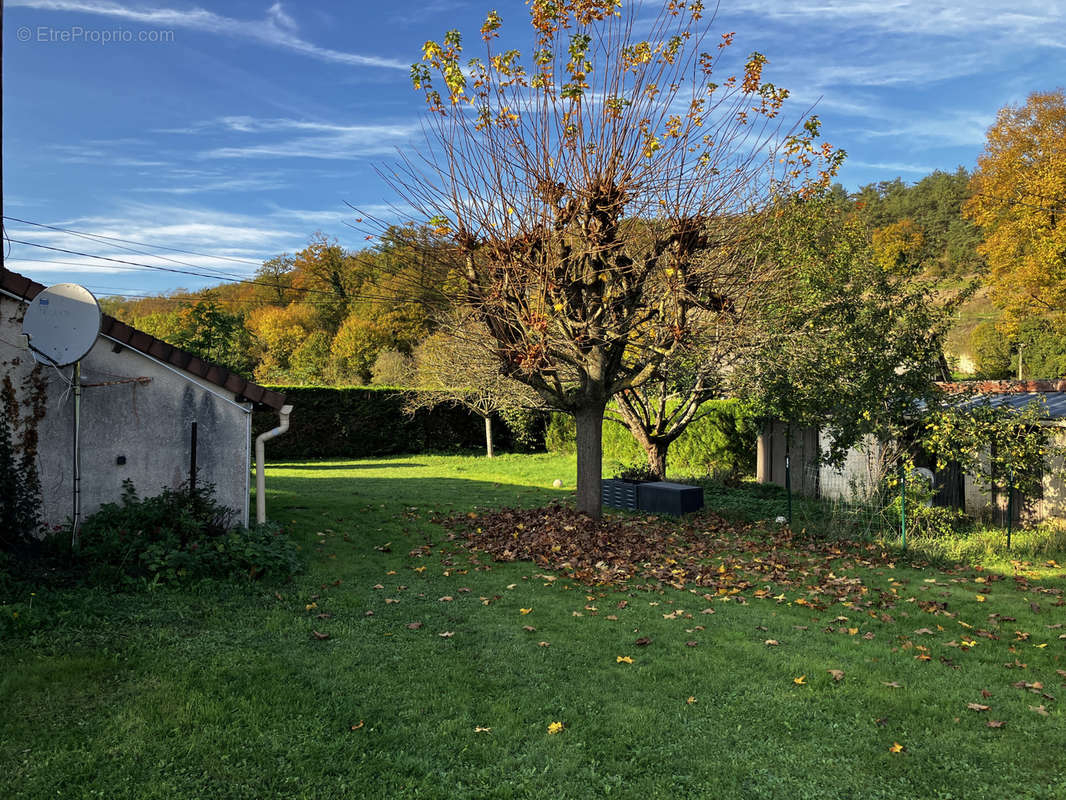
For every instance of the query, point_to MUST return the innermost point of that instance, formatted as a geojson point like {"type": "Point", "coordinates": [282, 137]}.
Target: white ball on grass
{"type": "Point", "coordinates": [557, 483]}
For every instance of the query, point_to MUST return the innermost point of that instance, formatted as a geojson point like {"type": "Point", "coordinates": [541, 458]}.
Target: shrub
{"type": "Point", "coordinates": [178, 535]}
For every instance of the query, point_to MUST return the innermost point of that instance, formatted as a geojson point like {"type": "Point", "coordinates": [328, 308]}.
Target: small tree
{"type": "Point", "coordinates": [590, 189]}
{"type": "Point", "coordinates": [458, 368]}
{"type": "Point", "coordinates": [1000, 447]}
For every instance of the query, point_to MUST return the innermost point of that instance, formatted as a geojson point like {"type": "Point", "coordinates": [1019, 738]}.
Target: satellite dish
{"type": "Point", "coordinates": [62, 323]}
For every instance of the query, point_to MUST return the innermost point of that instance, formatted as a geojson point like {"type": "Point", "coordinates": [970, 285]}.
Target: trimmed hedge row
{"type": "Point", "coordinates": [722, 441]}
{"type": "Point", "coordinates": [360, 421]}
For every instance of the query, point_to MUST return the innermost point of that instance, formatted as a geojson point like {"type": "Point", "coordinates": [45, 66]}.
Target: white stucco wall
{"type": "Point", "coordinates": [133, 409]}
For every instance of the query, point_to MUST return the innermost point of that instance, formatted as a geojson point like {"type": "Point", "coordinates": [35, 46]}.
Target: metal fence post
{"type": "Point", "coordinates": [1010, 504]}
{"type": "Point", "coordinates": [903, 505]}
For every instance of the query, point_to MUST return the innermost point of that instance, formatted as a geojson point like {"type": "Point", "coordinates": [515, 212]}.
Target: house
{"type": "Point", "coordinates": [866, 463]}
{"type": "Point", "coordinates": [149, 413]}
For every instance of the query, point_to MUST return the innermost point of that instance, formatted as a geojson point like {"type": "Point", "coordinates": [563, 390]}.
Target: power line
{"type": "Point", "coordinates": [135, 265]}
{"type": "Point", "coordinates": [131, 241]}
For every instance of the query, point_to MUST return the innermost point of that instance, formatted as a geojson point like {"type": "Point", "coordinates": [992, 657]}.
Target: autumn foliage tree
{"type": "Point", "coordinates": [589, 186]}
{"type": "Point", "coordinates": [1019, 201]}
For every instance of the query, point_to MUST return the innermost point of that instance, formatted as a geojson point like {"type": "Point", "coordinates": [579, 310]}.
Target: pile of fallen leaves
{"type": "Point", "coordinates": [701, 550]}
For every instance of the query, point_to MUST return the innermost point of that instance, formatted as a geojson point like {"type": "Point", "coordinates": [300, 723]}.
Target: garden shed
{"type": "Point", "coordinates": [149, 413]}
{"type": "Point", "coordinates": [864, 465]}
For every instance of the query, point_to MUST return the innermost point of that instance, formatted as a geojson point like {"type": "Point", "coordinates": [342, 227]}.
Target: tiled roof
{"type": "Point", "coordinates": [25, 289]}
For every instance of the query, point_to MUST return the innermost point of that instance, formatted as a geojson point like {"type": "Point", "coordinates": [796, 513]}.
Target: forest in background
{"type": "Point", "coordinates": [331, 316]}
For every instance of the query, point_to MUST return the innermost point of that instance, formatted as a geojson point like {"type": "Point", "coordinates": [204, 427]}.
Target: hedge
{"type": "Point", "coordinates": [361, 421]}
{"type": "Point", "coordinates": [722, 441]}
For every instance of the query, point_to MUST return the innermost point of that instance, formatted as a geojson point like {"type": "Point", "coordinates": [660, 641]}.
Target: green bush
{"type": "Point", "coordinates": [363, 422]}
{"type": "Point", "coordinates": [721, 441]}
{"type": "Point", "coordinates": [181, 534]}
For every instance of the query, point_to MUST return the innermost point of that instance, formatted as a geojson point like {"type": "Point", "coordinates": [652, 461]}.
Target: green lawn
{"type": "Point", "coordinates": [224, 690]}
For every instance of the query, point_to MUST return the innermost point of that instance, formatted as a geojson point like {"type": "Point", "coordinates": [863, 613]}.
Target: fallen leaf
{"type": "Point", "coordinates": [623, 660]}
{"type": "Point", "coordinates": [611, 617]}
{"type": "Point", "coordinates": [924, 631]}
{"type": "Point", "coordinates": [1039, 710]}
{"type": "Point", "coordinates": [378, 586]}
{"type": "Point", "coordinates": [528, 628]}
{"type": "Point", "coordinates": [707, 611]}
{"type": "Point", "coordinates": [323, 616]}
{"type": "Point", "coordinates": [525, 611]}
{"type": "Point", "coordinates": [446, 634]}
{"type": "Point", "coordinates": [446, 599]}
{"type": "Point", "coordinates": [555, 727]}
{"type": "Point", "coordinates": [995, 723]}
{"type": "Point", "coordinates": [771, 643]}
{"type": "Point", "coordinates": [985, 693]}
{"type": "Point", "coordinates": [358, 725]}
{"type": "Point", "coordinates": [691, 700]}
{"type": "Point", "coordinates": [896, 748]}
{"type": "Point", "coordinates": [800, 681]}
{"type": "Point", "coordinates": [368, 614]}
{"type": "Point", "coordinates": [479, 729]}
{"type": "Point", "coordinates": [981, 598]}
{"type": "Point", "coordinates": [414, 625]}
{"type": "Point", "coordinates": [691, 644]}
{"type": "Point", "coordinates": [390, 600]}
{"type": "Point", "coordinates": [320, 636]}
{"type": "Point", "coordinates": [543, 644]}
{"type": "Point", "coordinates": [892, 684]}
{"type": "Point", "coordinates": [977, 707]}
{"type": "Point", "coordinates": [838, 674]}
{"type": "Point", "coordinates": [643, 641]}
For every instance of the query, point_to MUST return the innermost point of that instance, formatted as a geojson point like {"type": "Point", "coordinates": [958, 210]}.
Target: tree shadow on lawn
{"type": "Point", "coordinates": [340, 464]}
{"type": "Point", "coordinates": [339, 494]}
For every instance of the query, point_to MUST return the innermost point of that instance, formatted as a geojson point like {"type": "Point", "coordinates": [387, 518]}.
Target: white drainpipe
{"type": "Point", "coordinates": [260, 458]}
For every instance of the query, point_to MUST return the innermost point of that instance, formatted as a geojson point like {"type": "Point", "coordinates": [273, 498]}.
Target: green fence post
{"type": "Point", "coordinates": [1010, 504]}
{"type": "Point", "coordinates": [903, 506]}
{"type": "Point", "coordinates": [788, 487]}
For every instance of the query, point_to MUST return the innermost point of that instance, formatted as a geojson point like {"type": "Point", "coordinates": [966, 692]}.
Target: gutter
{"type": "Point", "coordinates": [260, 459]}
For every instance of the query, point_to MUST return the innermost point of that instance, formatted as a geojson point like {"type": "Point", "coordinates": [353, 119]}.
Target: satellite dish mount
{"type": "Point", "coordinates": [61, 326]}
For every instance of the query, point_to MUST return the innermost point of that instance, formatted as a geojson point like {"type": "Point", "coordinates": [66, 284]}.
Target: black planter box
{"type": "Point", "coordinates": [660, 497]}
{"type": "Point", "coordinates": [663, 497]}
{"type": "Point", "coordinates": [619, 494]}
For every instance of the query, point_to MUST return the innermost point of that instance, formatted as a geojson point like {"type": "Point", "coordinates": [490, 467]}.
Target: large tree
{"type": "Point", "coordinates": [1019, 201]}
{"type": "Point", "coordinates": [590, 187]}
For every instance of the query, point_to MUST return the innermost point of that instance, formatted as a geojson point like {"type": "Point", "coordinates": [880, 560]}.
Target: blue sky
{"type": "Point", "coordinates": [237, 129]}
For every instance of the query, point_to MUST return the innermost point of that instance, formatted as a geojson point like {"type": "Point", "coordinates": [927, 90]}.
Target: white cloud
{"type": "Point", "coordinates": [276, 30]}
{"type": "Point", "coordinates": [1024, 20]}
{"type": "Point", "coordinates": [322, 140]}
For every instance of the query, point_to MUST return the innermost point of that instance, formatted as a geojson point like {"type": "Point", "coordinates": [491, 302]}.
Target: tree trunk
{"type": "Point", "coordinates": [589, 421]}
{"type": "Point", "coordinates": [488, 436]}
{"type": "Point", "coordinates": [654, 447]}
{"type": "Point", "coordinates": [656, 452]}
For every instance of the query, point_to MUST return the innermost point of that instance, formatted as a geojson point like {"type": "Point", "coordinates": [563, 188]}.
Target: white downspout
{"type": "Point", "coordinates": [260, 458]}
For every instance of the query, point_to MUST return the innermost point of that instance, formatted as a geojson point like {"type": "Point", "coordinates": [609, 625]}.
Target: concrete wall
{"type": "Point", "coordinates": [133, 409]}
